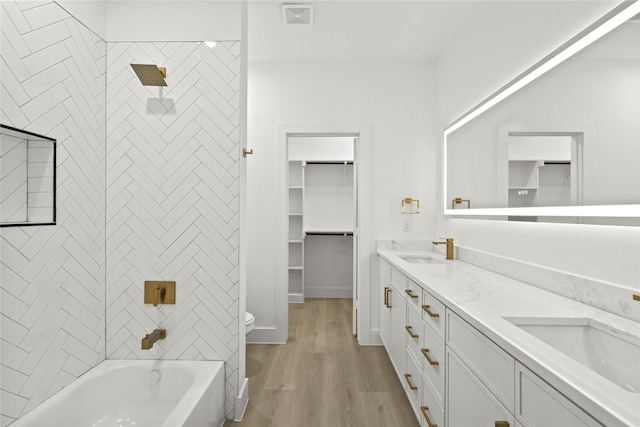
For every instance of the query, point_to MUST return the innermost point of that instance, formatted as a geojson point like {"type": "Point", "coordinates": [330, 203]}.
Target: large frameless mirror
{"type": "Point", "coordinates": [561, 143]}
{"type": "Point", "coordinates": [27, 178]}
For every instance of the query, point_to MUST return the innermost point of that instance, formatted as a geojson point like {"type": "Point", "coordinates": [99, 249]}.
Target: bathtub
{"type": "Point", "coordinates": [149, 393]}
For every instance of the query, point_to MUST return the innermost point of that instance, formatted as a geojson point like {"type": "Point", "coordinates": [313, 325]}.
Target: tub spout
{"type": "Point", "coordinates": [150, 339]}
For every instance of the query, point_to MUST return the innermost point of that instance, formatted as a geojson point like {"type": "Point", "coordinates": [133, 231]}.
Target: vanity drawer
{"type": "Point", "coordinates": [433, 312]}
{"type": "Point", "coordinates": [398, 280]}
{"type": "Point", "coordinates": [413, 294]}
{"type": "Point", "coordinates": [413, 384]}
{"type": "Point", "coordinates": [433, 369]}
{"type": "Point", "coordinates": [539, 404]}
{"type": "Point", "coordinates": [385, 269]}
{"type": "Point", "coordinates": [494, 366]}
{"type": "Point", "coordinates": [415, 333]}
{"type": "Point", "coordinates": [431, 410]}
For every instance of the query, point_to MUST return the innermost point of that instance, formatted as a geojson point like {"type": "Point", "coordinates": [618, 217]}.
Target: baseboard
{"type": "Point", "coordinates": [296, 298]}
{"type": "Point", "coordinates": [262, 335]}
{"type": "Point", "coordinates": [328, 293]}
{"type": "Point", "coordinates": [241, 401]}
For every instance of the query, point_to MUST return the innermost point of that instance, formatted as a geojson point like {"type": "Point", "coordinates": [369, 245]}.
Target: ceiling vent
{"type": "Point", "coordinates": [297, 14]}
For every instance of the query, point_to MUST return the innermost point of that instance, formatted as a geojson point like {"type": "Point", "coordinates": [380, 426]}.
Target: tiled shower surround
{"type": "Point", "coordinates": [147, 190]}
{"type": "Point", "coordinates": [173, 202]}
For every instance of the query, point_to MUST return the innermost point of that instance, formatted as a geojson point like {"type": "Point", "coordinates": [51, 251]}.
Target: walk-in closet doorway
{"type": "Point", "coordinates": [324, 246]}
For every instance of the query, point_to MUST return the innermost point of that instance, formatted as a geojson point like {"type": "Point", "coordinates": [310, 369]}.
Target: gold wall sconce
{"type": "Point", "coordinates": [459, 201]}
{"type": "Point", "coordinates": [408, 203]}
{"type": "Point", "coordinates": [158, 292]}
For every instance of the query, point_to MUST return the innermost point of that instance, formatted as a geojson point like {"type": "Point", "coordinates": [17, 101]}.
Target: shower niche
{"type": "Point", "coordinates": [27, 178]}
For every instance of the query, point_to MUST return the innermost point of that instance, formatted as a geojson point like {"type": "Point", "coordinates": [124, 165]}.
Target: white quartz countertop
{"type": "Point", "coordinates": [484, 298]}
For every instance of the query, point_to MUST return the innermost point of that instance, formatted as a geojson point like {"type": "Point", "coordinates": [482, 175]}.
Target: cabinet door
{"type": "Point", "coordinates": [398, 332]}
{"type": "Point", "coordinates": [540, 405]}
{"type": "Point", "coordinates": [469, 402]}
{"type": "Point", "coordinates": [385, 313]}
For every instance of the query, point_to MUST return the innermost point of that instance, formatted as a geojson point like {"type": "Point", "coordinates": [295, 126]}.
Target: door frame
{"type": "Point", "coordinates": [362, 305]}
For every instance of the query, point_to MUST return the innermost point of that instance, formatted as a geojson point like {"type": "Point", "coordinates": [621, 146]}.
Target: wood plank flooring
{"type": "Point", "coordinates": [322, 377]}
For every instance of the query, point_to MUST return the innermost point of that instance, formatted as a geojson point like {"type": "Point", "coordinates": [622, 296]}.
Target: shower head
{"type": "Point", "coordinates": [150, 74]}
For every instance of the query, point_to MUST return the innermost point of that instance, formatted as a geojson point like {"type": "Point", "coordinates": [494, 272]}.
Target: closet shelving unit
{"type": "Point", "coordinates": [321, 224]}
{"type": "Point", "coordinates": [296, 234]}
{"type": "Point", "coordinates": [523, 177]}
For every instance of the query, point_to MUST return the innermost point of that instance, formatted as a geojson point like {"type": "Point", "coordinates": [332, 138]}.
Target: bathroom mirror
{"type": "Point", "coordinates": [560, 143]}
{"type": "Point", "coordinates": [27, 178]}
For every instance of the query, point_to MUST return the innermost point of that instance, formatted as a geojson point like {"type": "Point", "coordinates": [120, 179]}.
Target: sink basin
{"type": "Point", "coordinates": [420, 259]}
{"type": "Point", "coordinates": [607, 351]}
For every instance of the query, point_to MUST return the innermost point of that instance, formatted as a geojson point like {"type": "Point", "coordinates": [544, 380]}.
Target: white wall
{"type": "Point", "coordinates": [477, 63]}
{"type": "Point", "coordinates": [395, 99]}
{"type": "Point", "coordinates": [183, 20]}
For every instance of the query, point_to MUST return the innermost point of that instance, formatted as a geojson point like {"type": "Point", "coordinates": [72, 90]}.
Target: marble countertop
{"type": "Point", "coordinates": [484, 298]}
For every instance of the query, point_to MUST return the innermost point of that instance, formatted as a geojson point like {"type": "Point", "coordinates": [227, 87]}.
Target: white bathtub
{"type": "Point", "coordinates": [150, 393]}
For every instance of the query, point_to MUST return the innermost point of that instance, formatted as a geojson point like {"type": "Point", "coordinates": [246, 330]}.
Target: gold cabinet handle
{"type": "Point", "coordinates": [429, 312]}
{"type": "Point", "coordinates": [409, 329]}
{"type": "Point", "coordinates": [410, 293]}
{"type": "Point", "coordinates": [386, 296]}
{"type": "Point", "coordinates": [502, 424]}
{"type": "Point", "coordinates": [408, 378]}
{"type": "Point", "coordinates": [424, 410]}
{"type": "Point", "coordinates": [425, 351]}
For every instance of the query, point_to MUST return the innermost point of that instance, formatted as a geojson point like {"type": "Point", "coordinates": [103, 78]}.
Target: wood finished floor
{"type": "Point", "coordinates": [322, 377]}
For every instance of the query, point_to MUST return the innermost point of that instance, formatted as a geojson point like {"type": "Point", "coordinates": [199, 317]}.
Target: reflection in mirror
{"type": "Point", "coordinates": [564, 147]}
{"type": "Point", "coordinates": [27, 178]}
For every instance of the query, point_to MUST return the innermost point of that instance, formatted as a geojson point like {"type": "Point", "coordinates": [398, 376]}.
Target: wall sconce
{"type": "Point", "coordinates": [408, 203]}
{"type": "Point", "coordinates": [459, 201]}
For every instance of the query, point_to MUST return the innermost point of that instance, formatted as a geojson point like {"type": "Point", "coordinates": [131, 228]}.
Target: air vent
{"type": "Point", "coordinates": [297, 14]}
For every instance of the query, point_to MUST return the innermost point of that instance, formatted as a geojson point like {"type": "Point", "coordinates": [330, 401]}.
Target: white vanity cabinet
{"type": "Point", "coordinates": [393, 315]}
{"type": "Point", "coordinates": [453, 373]}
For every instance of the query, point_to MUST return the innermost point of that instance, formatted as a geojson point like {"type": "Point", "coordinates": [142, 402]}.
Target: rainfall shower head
{"type": "Point", "coordinates": [150, 74]}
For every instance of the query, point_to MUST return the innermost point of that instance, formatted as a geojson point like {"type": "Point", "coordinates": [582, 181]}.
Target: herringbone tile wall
{"type": "Point", "coordinates": [173, 202]}
{"type": "Point", "coordinates": [53, 278]}
{"type": "Point", "coordinates": [162, 175]}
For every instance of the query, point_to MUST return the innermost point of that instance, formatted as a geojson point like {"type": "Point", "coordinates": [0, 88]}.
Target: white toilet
{"type": "Point", "coordinates": [250, 322]}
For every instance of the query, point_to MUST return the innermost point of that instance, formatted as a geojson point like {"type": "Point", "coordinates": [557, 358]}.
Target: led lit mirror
{"type": "Point", "coordinates": [561, 143]}
{"type": "Point", "coordinates": [27, 178]}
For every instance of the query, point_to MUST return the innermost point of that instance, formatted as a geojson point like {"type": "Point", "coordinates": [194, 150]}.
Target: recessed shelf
{"type": "Point", "coordinates": [28, 178]}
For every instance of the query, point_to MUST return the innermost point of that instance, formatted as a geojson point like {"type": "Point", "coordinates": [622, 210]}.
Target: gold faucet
{"type": "Point", "coordinates": [449, 243]}
{"type": "Point", "coordinates": [150, 339]}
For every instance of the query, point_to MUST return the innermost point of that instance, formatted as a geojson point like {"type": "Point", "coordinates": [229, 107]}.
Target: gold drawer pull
{"type": "Point", "coordinates": [409, 329]}
{"type": "Point", "coordinates": [425, 351]}
{"type": "Point", "coordinates": [386, 296]}
{"type": "Point", "coordinates": [429, 312]}
{"type": "Point", "coordinates": [424, 410]}
{"type": "Point", "coordinates": [408, 378]}
{"type": "Point", "coordinates": [388, 300]}
{"type": "Point", "coordinates": [502, 424]}
{"type": "Point", "coordinates": [410, 293]}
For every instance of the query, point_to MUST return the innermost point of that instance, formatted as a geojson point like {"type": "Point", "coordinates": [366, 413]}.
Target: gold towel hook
{"type": "Point", "coordinates": [245, 152]}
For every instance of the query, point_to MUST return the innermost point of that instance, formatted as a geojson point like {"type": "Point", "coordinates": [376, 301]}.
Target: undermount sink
{"type": "Point", "coordinates": [607, 351]}
{"type": "Point", "coordinates": [419, 259]}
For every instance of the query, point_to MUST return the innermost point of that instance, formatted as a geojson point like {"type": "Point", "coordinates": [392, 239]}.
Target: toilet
{"type": "Point", "coordinates": [249, 322]}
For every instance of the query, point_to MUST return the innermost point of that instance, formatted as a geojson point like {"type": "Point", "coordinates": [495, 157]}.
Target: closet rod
{"type": "Point", "coordinates": [328, 233]}
{"type": "Point", "coordinates": [337, 162]}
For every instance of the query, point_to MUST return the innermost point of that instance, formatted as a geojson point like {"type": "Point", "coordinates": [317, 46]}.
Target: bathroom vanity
{"type": "Point", "coordinates": [473, 347]}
